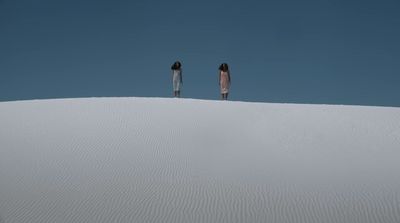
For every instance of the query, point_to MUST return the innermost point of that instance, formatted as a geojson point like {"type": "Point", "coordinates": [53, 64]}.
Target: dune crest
{"type": "Point", "coordinates": [186, 160]}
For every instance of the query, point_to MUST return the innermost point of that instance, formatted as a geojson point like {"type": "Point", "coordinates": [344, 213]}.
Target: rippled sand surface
{"type": "Point", "coordinates": [196, 161]}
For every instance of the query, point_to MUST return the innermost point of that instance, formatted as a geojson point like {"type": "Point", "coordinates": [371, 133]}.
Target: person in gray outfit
{"type": "Point", "coordinates": [177, 78]}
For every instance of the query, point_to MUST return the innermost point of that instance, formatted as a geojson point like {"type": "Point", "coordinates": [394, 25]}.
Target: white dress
{"type": "Point", "coordinates": [224, 82]}
{"type": "Point", "coordinates": [177, 79]}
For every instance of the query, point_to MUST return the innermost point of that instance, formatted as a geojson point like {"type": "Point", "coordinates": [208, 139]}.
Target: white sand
{"type": "Point", "coordinates": [187, 161]}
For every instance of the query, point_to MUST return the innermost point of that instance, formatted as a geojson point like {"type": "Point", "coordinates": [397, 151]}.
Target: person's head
{"type": "Point", "coordinates": [224, 67]}
{"type": "Point", "coordinates": [176, 65]}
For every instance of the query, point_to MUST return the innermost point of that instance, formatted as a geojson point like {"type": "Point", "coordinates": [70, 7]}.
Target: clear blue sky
{"type": "Point", "coordinates": [319, 51]}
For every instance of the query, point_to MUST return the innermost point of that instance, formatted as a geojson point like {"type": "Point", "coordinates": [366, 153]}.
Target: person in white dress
{"type": "Point", "coordinates": [224, 80]}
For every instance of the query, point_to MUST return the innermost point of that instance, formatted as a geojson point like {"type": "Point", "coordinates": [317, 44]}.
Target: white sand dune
{"type": "Point", "coordinates": [195, 161]}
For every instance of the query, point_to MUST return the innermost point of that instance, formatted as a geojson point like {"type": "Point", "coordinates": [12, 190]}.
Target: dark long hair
{"type": "Point", "coordinates": [224, 67]}
{"type": "Point", "coordinates": [176, 66]}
